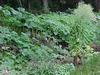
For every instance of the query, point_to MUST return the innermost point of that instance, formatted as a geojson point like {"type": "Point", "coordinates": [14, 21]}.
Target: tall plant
{"type": "Point", "coordinates": [83, 28]}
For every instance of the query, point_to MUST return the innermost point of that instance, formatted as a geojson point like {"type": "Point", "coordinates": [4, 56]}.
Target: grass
{"type": "Point", "coordinates": [90, 68]}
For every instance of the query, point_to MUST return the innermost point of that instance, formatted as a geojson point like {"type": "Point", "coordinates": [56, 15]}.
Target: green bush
{"type": "Point", "coordinates": [83, 29]}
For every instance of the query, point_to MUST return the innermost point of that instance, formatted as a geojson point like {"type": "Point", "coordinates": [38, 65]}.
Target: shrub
{"type": "Point", "coordinates": [83, 29]}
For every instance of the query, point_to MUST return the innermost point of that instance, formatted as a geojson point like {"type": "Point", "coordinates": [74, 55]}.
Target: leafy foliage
{"type": "Point", "coordinates": [47, 41]}
{"type": "Point", "coordinates": [97, 39]}
{"type": "Point", "coordinates": [83, 30]}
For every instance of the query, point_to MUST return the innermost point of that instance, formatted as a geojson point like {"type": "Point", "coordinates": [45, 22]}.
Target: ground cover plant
{"type": "Point", "coordinates": [45, 44]}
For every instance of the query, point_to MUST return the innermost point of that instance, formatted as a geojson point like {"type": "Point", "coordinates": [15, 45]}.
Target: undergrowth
{"type": "Point", "coordinates": [45, 44]}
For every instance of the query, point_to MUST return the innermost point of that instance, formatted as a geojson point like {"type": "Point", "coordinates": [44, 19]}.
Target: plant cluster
{"type": "Point", "coordinates": [45, 44]}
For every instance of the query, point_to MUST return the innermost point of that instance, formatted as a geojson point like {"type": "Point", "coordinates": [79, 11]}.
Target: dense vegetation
{"type": "Point", "coordinates": [46, 44]}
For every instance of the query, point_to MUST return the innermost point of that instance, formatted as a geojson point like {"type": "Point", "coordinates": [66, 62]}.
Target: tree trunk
{"type": "Point", "coordinates": [97, 5]}
{"type": "Point", "coordinates": [45, 6]}
{"type": "Point", "coordinates": [1, 2]}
